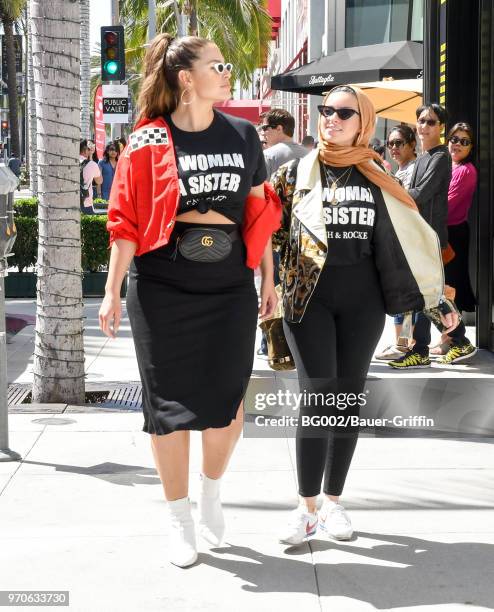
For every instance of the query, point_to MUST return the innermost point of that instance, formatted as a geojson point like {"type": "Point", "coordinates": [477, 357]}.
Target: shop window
{"type": "Point", "coordinates": [370, 22]}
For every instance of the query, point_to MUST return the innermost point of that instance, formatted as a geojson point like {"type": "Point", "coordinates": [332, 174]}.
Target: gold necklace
{"type": "Point", "coordinates": [334, 184]}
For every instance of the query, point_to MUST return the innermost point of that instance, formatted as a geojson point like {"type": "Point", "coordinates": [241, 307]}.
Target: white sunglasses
{"type": "Point", "coordinates": [220, 67]}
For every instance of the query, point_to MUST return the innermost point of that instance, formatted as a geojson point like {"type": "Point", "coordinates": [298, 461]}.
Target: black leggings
{"type": "Point", "coordinates": [332, 347]}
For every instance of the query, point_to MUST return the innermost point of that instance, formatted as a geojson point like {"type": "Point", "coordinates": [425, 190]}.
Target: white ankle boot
{"type": "Point", "coordinates": [211, 520]}
{"type": "Point", "coordinates": [183, 550]}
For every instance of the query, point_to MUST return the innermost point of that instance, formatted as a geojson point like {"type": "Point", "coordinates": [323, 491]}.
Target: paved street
{"type": "Point", "coordinates": [83, 512]}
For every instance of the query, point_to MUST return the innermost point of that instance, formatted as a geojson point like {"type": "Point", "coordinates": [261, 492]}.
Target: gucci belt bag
{"type": "Point", "coordinates": [206, 244]}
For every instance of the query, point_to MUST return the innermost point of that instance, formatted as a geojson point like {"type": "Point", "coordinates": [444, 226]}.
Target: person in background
{"type": "Point", "coordinates": [380, 149]}
{"type": "Point", "coordinates": [401, 145]}
{"type": "Point", "coordinates": [429, 188]}
{"type": "Point", "coordinates": [308, 142]}
{"type": "Point", "coordinates": [121, 143]}
{"type": "Point", "coordinates": [90, 173]}
{"type": "Point", "coordinates": [278, 127]}
{"type": "Point", "coordinates": [260, 133]}
{"type": "Point", "coordinates": [92, 153]}
{"type": "Point", "coordinates": [107, 166]}
{"type": "Point", "coordinates": [460, 195]}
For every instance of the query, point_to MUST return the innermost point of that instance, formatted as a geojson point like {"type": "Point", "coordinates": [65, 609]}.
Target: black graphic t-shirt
{"type": "Point", "coordinates": [218, 166]}
{"type": "Point", "coordinates": [349, 215]}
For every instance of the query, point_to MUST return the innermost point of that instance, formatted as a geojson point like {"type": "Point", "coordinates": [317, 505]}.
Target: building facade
{"type": "Point", "coordinates": [310, 29]}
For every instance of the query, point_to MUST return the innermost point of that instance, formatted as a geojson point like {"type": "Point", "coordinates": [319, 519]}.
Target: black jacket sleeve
{"type": "Point", "coordinates": [431, 183]}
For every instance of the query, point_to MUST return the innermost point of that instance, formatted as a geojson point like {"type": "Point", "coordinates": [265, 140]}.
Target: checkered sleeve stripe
{"type": "Point", "coordinates": [147, 136]}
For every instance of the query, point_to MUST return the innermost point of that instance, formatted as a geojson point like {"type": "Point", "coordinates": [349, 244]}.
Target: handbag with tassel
{"type": "Point", "coordinates": [279, 355]}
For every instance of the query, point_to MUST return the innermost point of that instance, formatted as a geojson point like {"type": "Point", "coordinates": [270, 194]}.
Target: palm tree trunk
{"type": "Point", "coordinates": [85, 70]}
{"type": "Point", "coordinates": [15, 145]}
{"type": "Point", "coordinates": [31, 111]}
{"type": "Point", "coordinates": [192, 11]}
{"type": "Point", "coordinates": [59, 349]}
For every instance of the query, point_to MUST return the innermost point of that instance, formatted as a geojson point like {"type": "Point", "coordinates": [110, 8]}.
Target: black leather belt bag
{"type": "Point", "coordinates": [204, 244]}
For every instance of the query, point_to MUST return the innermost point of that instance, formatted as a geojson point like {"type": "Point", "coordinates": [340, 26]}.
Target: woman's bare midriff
{"type": "Point", "coordinates": [192, 216]}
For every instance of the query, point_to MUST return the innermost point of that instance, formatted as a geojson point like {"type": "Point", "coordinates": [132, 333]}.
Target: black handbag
{"type": "Point", "coordinates": [207, 245]}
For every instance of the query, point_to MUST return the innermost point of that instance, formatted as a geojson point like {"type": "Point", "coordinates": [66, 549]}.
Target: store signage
{"type": "Point", "coordinates": [320, 79]}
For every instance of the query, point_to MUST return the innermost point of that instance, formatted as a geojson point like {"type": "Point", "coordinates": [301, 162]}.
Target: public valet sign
{"type": "Point", "coordinates": [115, 103]}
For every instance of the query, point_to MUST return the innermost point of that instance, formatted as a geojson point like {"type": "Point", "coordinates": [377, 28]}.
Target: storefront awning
{"type": "Point", "coordinates": [246, 109]}
{"type": "Point", "coordinates": [399, 60]}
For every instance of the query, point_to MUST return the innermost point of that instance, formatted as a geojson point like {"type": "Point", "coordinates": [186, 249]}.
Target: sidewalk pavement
{"type": "Point", "coordinates": [84, 512]}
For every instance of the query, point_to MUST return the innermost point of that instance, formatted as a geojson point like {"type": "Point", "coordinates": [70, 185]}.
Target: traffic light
{"type": "Point", "coordinates": [5, 129]}
{"type": "Point", "coordinates": [112, 53]}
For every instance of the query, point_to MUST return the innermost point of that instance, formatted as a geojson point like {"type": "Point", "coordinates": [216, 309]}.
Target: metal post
{"type": "Point", "coordinates": [8, 182]}
{"type": "Point", "coordinates": [152, 19]}
{"type": "Point", "coordinates": [116, 128]}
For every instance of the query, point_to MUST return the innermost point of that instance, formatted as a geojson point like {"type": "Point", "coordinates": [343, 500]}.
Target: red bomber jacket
{"type": "Point", "coordinates": [145, 195]}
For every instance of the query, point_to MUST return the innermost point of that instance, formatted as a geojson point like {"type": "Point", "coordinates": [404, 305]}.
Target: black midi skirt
{"type": "Point", "coordinates": [194, 327]}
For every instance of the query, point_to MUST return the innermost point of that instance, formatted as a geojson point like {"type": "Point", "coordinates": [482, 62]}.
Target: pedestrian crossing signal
{"type": "Point", "coordinates": [112, 53]}
{"type": "Point", "coordinates": [5, 129]}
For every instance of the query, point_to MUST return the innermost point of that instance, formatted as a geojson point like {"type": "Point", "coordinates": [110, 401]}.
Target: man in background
{"type": "Point", "coordinates": [278, 126]}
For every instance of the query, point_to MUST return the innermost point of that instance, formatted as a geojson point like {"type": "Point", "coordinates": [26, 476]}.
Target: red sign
{"type": "Point", "coordinates": [99, 124]}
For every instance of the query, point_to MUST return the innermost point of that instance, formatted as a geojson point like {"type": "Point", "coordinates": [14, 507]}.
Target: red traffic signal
{"type": "Point", "coordinates": [5, 125]}
{"type": "Point", "coordinates": [112, 53]}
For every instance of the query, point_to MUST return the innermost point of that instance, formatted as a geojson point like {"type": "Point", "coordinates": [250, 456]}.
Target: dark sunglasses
{"type": "Point", "coordinates": [267, 127]}
{"type": "Point", "coordinates": [343, 113]}
{"type": "Point", "coordinates": [220, 67]}
{"type": "Point", "coordinates": [111, 149]}
{"type": "Point", "coordinates": [465, 142]}
{"type": "Point", "coordinates": [395, 143]}
{"type": "Point", "coordinates": [430, 122]}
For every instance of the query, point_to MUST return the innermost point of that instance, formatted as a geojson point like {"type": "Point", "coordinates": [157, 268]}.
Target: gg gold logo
{"type": "Point", "coordinates": [207, 241]}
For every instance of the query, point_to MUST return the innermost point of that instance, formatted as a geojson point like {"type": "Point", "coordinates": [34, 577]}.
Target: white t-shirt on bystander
{"type": "Point", "coordinates": [90, 172]}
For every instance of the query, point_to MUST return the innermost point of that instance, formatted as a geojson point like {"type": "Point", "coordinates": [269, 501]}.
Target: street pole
{"type": "Point", "coordinates": [152, 19]}
{"type": "Point", "coordinates": [8, 182]}
{"type": "Point", "coordinates": [116, 128]}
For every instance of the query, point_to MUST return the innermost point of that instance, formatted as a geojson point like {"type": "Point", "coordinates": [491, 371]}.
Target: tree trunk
{"type": "Point", "coordinates": [31, 111]}
{"type": "Point", "coordinates": [191, 12]}
{"type": "Point", "coordinates": [11, 80]}
{"type": "Point", "coordinates": [85, 71]}
{"type": "Point", "coordinates": [59, 349]}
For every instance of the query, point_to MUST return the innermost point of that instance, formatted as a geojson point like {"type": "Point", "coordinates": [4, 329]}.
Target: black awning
{"type": "Point", "coordinates": [400, 60]}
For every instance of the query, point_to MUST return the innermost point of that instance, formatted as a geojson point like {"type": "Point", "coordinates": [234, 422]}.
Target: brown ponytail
{"type": "Point", "coordinates": [165, 57]}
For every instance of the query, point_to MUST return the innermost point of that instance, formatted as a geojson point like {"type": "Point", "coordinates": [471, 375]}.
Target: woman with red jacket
{"type": "Point", "coordinates": [190, 213]}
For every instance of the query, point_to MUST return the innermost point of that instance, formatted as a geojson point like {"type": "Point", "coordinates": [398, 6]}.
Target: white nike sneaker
{"type": "Point", "coordinates": [301, 525]}
{"type": "Point", "coordinates": [334, 521]}
{"type": "Point", "coordinates": [183, 550]}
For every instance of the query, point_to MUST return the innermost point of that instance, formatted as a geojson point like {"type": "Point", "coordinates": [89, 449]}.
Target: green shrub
{"type": "Point", "coordinates": [94, 239]}
{"type": "Point", "coordinates": [26, 207]}
{"type": "Point", "coordinates": [25, 247]}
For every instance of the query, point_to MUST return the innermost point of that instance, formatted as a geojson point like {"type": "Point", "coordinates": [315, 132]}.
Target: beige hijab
{"type": "Point", "coordinates": [360, 155]}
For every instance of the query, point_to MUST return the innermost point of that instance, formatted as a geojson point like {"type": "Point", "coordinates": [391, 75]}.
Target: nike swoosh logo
{"type": "Point", "coordinates": [309, 527]}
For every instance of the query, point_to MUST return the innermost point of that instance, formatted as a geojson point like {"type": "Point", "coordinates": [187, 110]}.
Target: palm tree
{"type": "Point", "coordinates": [240, 28]}
{"type": "Point", "coordinates": [10, 11]}
{"type": "Point", "coordinates": [85, 69]}
{"type": "Point", "coordinates": [59, 350]}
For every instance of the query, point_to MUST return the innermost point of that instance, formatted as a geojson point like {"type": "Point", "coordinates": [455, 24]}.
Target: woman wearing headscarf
{"type": "Point", "coordinates": [356, 249]}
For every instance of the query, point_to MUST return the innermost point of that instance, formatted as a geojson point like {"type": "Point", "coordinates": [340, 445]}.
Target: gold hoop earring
{"type": "Point", "coordinates": [182, 98]}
